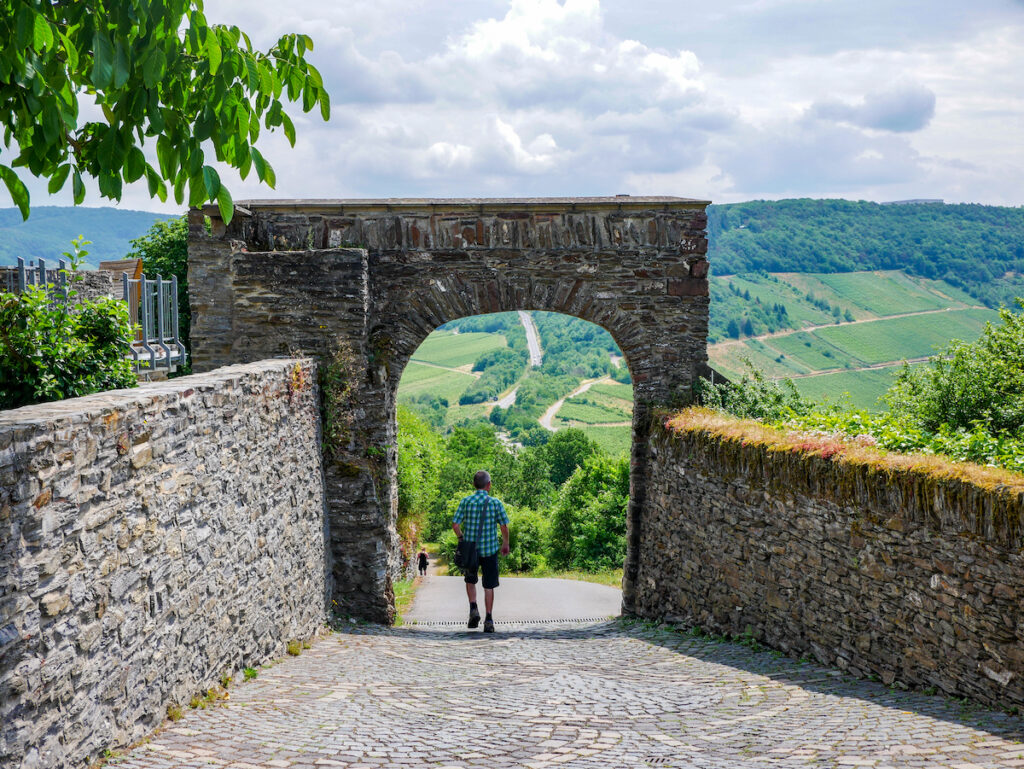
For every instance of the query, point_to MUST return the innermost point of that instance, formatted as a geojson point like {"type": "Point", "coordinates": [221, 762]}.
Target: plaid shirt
{"type": "Point", "coordinates": [470, 509]}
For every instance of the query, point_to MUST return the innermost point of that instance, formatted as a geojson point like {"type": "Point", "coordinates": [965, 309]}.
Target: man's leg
{"type": "Point", "coordinates": [474, 612]}
{"type": "Point", "coordinates": [489, 599]}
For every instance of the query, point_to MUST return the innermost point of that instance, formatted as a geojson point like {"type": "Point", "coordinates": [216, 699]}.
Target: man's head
{"type": "Point", "coordinates": [482, 480]}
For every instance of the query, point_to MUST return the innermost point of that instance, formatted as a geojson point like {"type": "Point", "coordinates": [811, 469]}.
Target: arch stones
{"type": "Point", "coordinates": [375, 277]}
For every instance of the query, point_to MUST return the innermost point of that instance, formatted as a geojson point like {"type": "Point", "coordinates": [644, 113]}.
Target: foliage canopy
{"type": "Point", "coordinates": [157, 72]}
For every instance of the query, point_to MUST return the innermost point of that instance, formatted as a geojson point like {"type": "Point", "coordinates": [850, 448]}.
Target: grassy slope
{"type": "Point", "coordinates": [444, 348]}
{"type": "Point", "coordinates": [417, 379]}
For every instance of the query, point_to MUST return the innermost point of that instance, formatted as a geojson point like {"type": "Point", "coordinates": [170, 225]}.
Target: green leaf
{"type": "Point", "coordinates": [211, 180]}
{"type": "Point", "coordinates": [289, 128]}
{"type": "Point", "coordinates": [134, 164]}
{"type": "Point", "coordinates": [78, 187]}
{"type": "Point", "coordinates": [58, 179]}
{"type": "Point", "coordinates": [153, 68]}
{"type": "Point", "coordinates": [102, 60]}
{"type": "Point", "coordinates": [157, 188]}
{"type": "Point", "coordinates": [259, 163]}
{"type": "Point", "coordinates": [225, 204]}
{"type": "Point", "coordinates": [17, 190]}
{"type": "Point", "coordinates": [214, 53]}
{"type": "Point", "coordinates": [42, 35]}
{"type": "Point", "coordinates": [122, 69]}
{"type": "Point", "coordinates": [70, 51]}
{"type": "Point", "coordinates": [325, 105]}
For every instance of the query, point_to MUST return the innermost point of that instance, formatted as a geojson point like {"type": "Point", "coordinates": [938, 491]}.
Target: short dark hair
{"type": "Point", "coordinates": [481, 479]}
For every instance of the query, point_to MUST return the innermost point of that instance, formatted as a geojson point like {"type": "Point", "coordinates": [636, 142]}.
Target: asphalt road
{"type": "Point", "coordinates": [517, 599]}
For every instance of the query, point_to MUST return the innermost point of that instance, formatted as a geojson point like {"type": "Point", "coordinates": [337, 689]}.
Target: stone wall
{"type": "Point", "coordinates": [375, 277]}
{"type": "Point", "coordinates": [90, 284]}
{"type": "Point", "coordinates": [905, 569]}
{"type": "Point", "coordinates": [152, 540]}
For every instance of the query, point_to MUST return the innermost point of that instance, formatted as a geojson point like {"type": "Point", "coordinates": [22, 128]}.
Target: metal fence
{"type": "Point", "coordinates": [54, 280]}
{"type": "Point", "coordinates": [152, 307]}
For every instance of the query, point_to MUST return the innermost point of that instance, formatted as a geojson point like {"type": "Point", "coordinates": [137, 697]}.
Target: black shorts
{"type": "Point", "coordinates": [489, 567]}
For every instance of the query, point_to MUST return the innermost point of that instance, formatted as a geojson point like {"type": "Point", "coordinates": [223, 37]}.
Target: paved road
{"type": "Point", "coordinates": [532, 338]}
{"type": "Point", "coordinates": [597, 696]}
{"type": "Point", "coordinates": [443, 600]}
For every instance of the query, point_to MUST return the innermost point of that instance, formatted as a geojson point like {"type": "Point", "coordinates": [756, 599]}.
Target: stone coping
{"type": "Point", "coordinates": [82, 408]}
{"type": "Point", "coordinates": [920, 489]}
{"type": "Point", "coordinates": [465, 205]}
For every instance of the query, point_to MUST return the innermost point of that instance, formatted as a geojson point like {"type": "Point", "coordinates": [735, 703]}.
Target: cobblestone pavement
{"type": "Point", "coordinates": [585, 695]}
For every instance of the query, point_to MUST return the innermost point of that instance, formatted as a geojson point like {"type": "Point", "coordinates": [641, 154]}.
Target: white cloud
{"type": "Point", "coordinates": [742, 99]}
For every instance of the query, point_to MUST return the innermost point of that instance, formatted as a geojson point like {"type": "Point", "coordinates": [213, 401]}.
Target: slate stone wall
{"type": "Point", "coordinates": [376, 277]}
{"type": "Point", "coordinates": [152, 540]}
{"type": "Point", "coordinates": [91, 284]}
{"type": "Point", "coordinates": [877, 571]}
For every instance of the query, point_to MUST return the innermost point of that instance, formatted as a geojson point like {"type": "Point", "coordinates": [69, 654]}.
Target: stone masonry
{"type": "Point", "coordinates": [152, 540]}
{"type": "Point", "coordinates": [878, 570]}
{"type": "Point", "coordinates": [375, 277]}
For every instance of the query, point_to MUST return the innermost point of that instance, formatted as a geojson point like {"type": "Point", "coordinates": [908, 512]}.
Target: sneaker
{"type": "Point", "coordinates": [488, 625]}
{"type": "Point", "coordinates": [474, 618]}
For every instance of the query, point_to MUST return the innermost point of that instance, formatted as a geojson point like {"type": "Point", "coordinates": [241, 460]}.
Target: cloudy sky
{"type": "Point", "coordinates": [722, 99]}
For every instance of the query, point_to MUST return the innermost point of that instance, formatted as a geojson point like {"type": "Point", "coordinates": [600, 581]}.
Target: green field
{"type": "Point", "coordinates": [729, 359]}
{"type": "Point", "coordinates": [810, 351]}
{"type": "Point", "coordinates": [882, 293]}
{"type": "Point", "coordinates": [457, 413]}
{"type": "Point", "coordinates": [863, 387]}
{"type": "Point", "coordinates": [623, 392]}
{"type": "Point", "coordinates": [915, 336]}
{"type": "Point", "coordinates": [614, 440]}
{"type": "Point", "coordinates": [418, 379]}
{"type": "Point", "coordinates": [591, 413]}
{"type": "Point", "coordinates": [443, 348]}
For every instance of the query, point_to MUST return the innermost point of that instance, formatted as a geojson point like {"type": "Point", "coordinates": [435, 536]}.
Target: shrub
{"type": "Point", "coordinates": [52, 350]}
{"type": "Point", "coordinates": [527, 535]}
{"type": "Point", "coordinates": [588, 524]}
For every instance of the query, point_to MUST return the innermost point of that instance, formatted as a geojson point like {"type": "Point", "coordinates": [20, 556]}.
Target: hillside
{"type": "Point", "coordinates": [50, 229]}
{"type": "Point", "coordinates": [978, 249]}
{"type": "Point", "coordinates": [835, 333]}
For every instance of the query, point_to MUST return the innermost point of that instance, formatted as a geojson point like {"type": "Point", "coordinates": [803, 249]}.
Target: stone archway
{"type": "Point", "coordinates": [379, 275]}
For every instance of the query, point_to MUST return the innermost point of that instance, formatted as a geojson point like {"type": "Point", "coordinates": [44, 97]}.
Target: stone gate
{"type": "Point", "coordinates": [363, 282]}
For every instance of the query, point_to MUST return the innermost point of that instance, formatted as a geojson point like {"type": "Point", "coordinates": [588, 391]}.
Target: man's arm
{"type": "Point", "coordinates": [457, 530]}
{"type": "Point", "coordinates": [504, 539]}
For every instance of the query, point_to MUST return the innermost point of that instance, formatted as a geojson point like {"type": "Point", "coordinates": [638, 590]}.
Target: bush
{"type": "Point", "coordinates": [754, 397]}
{"type": "Point", "coordinates": [588, 524]}
{"type": "Point", "coordinates": [969, 385]}
{"type": "Point", "coordinates": [50, 351]}
{"type": "Point", "coordinates": [527, 535]}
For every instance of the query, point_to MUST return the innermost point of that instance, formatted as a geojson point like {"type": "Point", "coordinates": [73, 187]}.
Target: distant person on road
{"type": "Point", "coordinates": [476, 519]}
{"type": "Point", "coordinates": [422, 558]}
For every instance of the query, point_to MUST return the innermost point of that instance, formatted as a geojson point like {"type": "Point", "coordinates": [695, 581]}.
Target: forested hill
{"type": "Point", "coordinates": [50, 229]}
{"type": "Point", "coordinates": [979, 249]}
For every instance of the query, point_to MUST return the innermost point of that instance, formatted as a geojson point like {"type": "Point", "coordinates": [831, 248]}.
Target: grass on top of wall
{"type": "Point", "coordinates": [829, 446]}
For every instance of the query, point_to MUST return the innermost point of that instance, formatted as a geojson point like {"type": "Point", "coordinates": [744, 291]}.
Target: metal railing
{"type": "Point", "coordinates": [152, 307]}
{"type": "Point", "coordinates": [32, 274]}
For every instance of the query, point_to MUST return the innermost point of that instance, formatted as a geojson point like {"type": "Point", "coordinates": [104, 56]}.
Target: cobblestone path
{"type": "Point", "coordinates": [599, 695]}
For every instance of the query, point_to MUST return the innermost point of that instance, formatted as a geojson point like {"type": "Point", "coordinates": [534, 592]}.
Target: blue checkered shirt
{"type": "Point", "coordinates": [468, 517]}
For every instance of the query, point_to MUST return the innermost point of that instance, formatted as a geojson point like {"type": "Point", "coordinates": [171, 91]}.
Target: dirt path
{"type": "Point", "coordinates": [549, 415]}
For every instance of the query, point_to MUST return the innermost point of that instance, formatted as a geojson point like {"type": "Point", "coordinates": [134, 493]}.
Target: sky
{"type": "Point", "coordinates": [725, 100]}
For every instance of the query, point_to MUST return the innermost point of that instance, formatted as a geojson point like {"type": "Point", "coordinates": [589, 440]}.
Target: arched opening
{"type": "Point", "coordinates": [544, 402]}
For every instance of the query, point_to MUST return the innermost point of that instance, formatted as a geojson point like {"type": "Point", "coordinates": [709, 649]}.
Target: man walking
{"type": "Point", "coordinates": [475, 518]}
